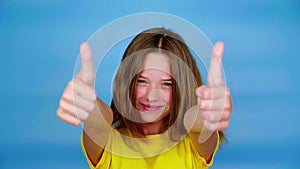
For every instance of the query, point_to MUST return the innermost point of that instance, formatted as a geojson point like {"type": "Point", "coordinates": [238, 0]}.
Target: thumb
{"type": "Point", "coordinates": [215, 70]}
{"type": "Point", "coordinates": [87, 71]}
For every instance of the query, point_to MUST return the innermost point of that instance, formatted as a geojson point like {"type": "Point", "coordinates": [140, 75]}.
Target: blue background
{"type": "Point", "coordinates": [40, 40]}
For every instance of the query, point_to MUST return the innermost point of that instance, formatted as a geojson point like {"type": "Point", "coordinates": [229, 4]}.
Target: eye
{"type": "Point", "coordinates": [167, 84]}
{"type": "Point", "coordinates": [141, 81]}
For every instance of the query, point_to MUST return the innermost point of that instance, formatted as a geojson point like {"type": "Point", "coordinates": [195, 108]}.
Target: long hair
{"type": "Point", "coordinates": [184, 71]}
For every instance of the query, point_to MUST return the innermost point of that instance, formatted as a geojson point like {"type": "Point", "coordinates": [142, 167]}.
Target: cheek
{"type": "Point", "coordinates": [168, 96]}
{"type": "Point", "coordinates": [139, 92]}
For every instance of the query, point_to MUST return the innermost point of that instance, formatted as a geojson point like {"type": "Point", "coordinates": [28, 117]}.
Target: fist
{"type": "Point", "coordinates": [79, 97]}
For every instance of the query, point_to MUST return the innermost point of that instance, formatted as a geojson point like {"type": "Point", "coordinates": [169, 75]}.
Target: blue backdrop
{"type": "Point", "coordinates": [40, 44]}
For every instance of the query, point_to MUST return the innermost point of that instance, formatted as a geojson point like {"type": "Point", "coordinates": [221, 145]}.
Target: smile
{"type": "Point", "coordinates": [148, 107]}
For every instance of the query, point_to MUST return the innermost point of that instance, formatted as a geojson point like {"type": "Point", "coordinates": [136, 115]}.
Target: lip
{"type": "Point", "coordinates": [148, 107]}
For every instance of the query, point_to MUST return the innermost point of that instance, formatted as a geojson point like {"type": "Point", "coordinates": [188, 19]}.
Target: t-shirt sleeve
{"type": "Point", "coordinates": [104, 162]}
{"type": "Point", "coordinates": [199, 158]}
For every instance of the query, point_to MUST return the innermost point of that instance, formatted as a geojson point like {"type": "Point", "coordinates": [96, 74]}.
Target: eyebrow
{"type": "Point", "coordinates": [166, 80]}
{"type": "Point", "coordinates": [141, 76]}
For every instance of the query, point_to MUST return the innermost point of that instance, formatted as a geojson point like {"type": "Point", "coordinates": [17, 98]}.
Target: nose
{"type": "Point", "coordinates": [154, 95]}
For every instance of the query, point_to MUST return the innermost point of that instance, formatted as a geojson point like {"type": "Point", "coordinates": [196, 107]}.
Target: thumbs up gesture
{"type": "Point", "coordinates": [214, 100]}
{"type": "Point", "coordinates": [79, 97]}
{"type": "Point", "coordinates": [213, 111]}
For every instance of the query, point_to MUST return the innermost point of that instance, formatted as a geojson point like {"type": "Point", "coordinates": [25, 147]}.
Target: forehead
{"type": "Point", "coordinates": [157, 61]}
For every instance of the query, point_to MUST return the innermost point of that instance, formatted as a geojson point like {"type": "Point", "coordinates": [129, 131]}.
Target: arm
{"type": "Point", "coordinates": [207, 148]}
{"type": "Point", "coordinates": [194, 123]}
{"type": "Point", "coordinates": [96, 131]}
{"type": "Point", "coordinates": [79, 103]}
{"type": "Point", "coordinates": [213, 111]}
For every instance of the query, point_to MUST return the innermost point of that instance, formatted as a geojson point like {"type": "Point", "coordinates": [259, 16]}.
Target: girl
{"type": "Point", "coordinates": [161, 115]}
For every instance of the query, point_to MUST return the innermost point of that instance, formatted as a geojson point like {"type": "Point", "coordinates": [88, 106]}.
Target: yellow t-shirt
{"type": "Point", "coordinates": [119, 155]}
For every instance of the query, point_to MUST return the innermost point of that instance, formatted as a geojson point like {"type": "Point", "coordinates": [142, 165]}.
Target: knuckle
{"type": "Point", "coordinates": [77, 82]}
{"type": "Point", "coordinates": [58, 112]}
{"type": "Point", "coordinates": [70, 84]}
{"type": "Point", "coordinates": [210, 126]}
{"type": "Point", "coordinates": [221, 128]}
{"type": "Point", "coordinates": [227, 91]}
{"type": "Point", "coordinates": [202, 105]}
{"type": "Point", "coordinates": [85, 116]}
{"type": "Point", "coordinates": [212, 118]}
{"type": "Point", "coordinates": [93, 95]}
{"type": "Point", "coordinates": [227, 105]}
{"type": "Point", "coordinates": [61, 103]}
{"type": "Point", "coordinates": [66, 95]}
{"type": "Point", "coordinates": [226, 115]}
{"type": "Point", "coordinates": [206, 92]}
{"type": "Point", "coordinates": [61, 115]}
{"type": "Point", "coordinates": [225, 125]}
{"type": "Point", "coordinates": [91, 107]}
{"type": "Point", "coordinates": [200, 91]}
{"type": "Point", "coordinates": [213, 126]}
{"type": "Point", "coordinates": [87, 78]}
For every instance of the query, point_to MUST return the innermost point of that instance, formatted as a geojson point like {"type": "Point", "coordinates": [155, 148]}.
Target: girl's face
{"type": "Point", "coordinates": [154, 88]}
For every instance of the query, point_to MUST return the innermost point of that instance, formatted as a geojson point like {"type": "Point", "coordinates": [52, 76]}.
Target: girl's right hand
{"type": "Point", "coordinates": [78, 100]}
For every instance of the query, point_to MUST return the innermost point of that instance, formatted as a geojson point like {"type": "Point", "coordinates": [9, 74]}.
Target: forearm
{"type": "Point", "coordinates": [207, 148]}
{"type": "Point", "coordinates": [93, 150]}
{"type": "Point", "coordinates": [194, 124]}
{"type": "Point", "coordinates": [96, 131]}
{"type": "Point", "coordinates": [100, 118]}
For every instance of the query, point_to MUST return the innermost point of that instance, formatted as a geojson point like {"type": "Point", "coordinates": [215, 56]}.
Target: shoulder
{"type": "Point", "coordinates": [124, 131]}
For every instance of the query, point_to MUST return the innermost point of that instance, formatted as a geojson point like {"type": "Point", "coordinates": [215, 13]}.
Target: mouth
{"type": "Point", "coordinates": [148, 107]}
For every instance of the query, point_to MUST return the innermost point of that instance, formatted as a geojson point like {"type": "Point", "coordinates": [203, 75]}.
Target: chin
{"type": "Point", "coordinates": [150, 117]}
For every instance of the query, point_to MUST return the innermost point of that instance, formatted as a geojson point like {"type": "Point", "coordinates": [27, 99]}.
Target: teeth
{"type": "Point", "coordinates": [153, 106]}
{"type": "Point", "coordinates": [149, 107]}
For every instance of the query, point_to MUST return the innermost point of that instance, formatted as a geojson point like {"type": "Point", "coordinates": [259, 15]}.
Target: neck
{"type": "Point", "coordinates": [153, 128]}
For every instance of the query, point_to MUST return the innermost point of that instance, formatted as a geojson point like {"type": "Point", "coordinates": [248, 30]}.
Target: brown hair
{"type": "Point", "coordinates": [185, 74]}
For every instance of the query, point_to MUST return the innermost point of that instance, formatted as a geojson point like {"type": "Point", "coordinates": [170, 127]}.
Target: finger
{"type": "Point", "coordinates": [78, 101]}
{"type": "Point", "coordinates": [84, 90]}
{"type": "Point", "coordinates": [211, 115]}
{"type": "Point", "coordinates": [223, 125]}
{"type": "Point", "coordinates": [215, 104]}
{"type": "Point", "coordinates": [216, 116]}
{"type": "Point", "coordinates": [215, 70]}
{"type": "Point", "coordinates": [67, 117]}
{"type": "Point", "coordinates": [83, 103]}
{"type": "Point", "coordinates": [217, 126]}
{"type": "Point", "coordinates": [211, 126]}
{"type": "Point", "coordinates": [212, 92]}
{"type": "Point", "coordinates": [87, 70]}
{"type": "Point", "coordinates": [73, 110]}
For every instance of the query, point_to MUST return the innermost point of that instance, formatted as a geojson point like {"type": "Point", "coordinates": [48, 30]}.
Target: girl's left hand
{"type": "Point", "coordinates": [214, 107]}
{"type": "Point", "coordinates": [214, 100]}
